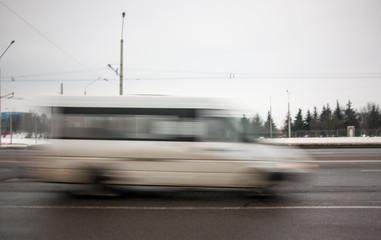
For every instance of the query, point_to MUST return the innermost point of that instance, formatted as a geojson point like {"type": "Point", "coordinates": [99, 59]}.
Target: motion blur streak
{"type": "Point", "coordinates": [158, 141]}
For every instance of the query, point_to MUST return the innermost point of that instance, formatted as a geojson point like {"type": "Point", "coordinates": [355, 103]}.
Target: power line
{"type": "Point", "coordinates": [210, 75]}
{"type": "Point", "coordinates": [48, 74]}
{"type": "Point", "coordinates": [26, 78]}
{"type": "Point", "coordinates": [47, 38]}
{"type": "Point", "coordinates": [15, 79]}
{"type": "Point", "coordinates": [245, 74]}
{"type": "Point", "coordinates": [305, 76]}
{"type": "Point", "coordinates": [128, 69]}
{"type": "Point", "coordinates": [52, 80]}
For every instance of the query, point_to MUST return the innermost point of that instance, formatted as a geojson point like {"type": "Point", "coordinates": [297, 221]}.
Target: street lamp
{"type": "Point", "coordinates": [12, 42]}
{"type": "Point", "coordinates": [121, 58]}
{"type": "Point", "coordinates": [288, 115]}
{"type": "Point", "coordinates": [104, 79]}
{"type": "Point", "coordinates": [115, 70]}
{"type": "Point", "coordinates": [271, 122]}
{"type": "Point", "coordinates": [8, 96]}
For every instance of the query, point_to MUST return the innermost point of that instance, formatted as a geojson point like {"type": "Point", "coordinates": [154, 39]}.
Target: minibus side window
{"type": "Point", "coordinates": [218, 129]}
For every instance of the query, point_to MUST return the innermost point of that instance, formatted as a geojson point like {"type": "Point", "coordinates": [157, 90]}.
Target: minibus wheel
{"type": "Point", "coordinates": [96, 187]}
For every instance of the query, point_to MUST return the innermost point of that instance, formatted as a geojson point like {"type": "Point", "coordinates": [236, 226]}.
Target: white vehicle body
{"type": "Point", "coordinates": [156, 141]}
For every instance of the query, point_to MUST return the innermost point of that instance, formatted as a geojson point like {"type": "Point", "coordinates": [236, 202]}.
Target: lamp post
{"type": "Point", "coordinates": [121, 58]}
{"type": "Point", "coordinates": [271, 122]}
{"type": "Point", "coordinates": [288, 115]}
{"type": "Point", "coordinates": [12, 42]}
{"type": "Point", "coordinates": [104, 79]}
{"type": "Point", "coordinates": [115, 70]}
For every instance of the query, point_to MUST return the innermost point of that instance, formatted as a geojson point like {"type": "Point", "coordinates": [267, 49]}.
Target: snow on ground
{"type": "Point", "coordinates": [19, 140]}
{"type": "Point", "coordinates": [325, 141]}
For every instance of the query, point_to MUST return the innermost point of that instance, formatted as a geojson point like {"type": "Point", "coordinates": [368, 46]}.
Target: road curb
{"type": "Point", "coordinates": [328, 145]}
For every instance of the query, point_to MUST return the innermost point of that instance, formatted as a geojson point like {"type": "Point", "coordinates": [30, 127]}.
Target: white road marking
{"type": "Point", "coordinates": [371, 170]}
{"type": "Point", "coordinates": [346, 161]}
{"type": "Point", "coordinates": [188, 208]}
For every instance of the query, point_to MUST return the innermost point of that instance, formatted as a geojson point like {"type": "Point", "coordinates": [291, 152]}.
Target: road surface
{"type": "Point", "coordinates": [341, 200]}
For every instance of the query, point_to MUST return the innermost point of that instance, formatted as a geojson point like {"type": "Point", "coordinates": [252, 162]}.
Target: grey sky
{"type": "Point", "coordinates": [321, 51]}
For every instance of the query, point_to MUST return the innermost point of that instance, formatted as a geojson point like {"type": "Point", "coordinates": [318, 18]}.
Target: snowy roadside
{"type": "Point", "coordinates": [19, 141]}
{"type": "Point", "coordinates": [326, 142]}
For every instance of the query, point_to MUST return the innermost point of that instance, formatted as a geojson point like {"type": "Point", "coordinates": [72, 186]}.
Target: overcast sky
{"type": "Point", "coordinates": [321, 51]}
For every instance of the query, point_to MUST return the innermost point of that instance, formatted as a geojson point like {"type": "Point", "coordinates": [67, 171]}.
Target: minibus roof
{"type": "Point", "coordinates": [137, 101]}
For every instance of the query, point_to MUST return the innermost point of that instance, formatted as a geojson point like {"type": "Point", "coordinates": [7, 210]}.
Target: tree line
{"type": "Point", "coordinates": [32, 124]}
{"type": "Point", "coordinates": [327, 122]}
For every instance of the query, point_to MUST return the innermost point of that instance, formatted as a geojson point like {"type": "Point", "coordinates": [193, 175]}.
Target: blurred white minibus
{"type": "Point", "coordinates": [156, 141]}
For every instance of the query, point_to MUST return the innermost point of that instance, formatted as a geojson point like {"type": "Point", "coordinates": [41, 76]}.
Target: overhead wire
{"type": "Point", "coordinates": [198, 75]}
{"type": "Point", "coordinates": [209, 75]}
{"type": "Point", "coordinates": [47, 38]}
{"type": "Point", "coordinates": [78, 79]}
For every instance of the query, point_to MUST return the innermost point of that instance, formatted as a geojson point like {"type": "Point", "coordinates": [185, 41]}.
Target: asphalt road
{"type": "Point", "coordinates": [341, 200]}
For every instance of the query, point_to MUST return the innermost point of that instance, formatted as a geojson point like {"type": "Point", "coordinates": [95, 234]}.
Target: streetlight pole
{"type": "Point", "coordinates": [270, 121]}
{"type": "Point", "coordinates": [104, 79]}
{"type": "Point", "coordinates": [121, 58]}
{"type": "Point", "coordinates": [288, 115]}
{"type": "Point", "coordinates": [115, 71]}
{"type": "Point", "coordinates": [12, 42]}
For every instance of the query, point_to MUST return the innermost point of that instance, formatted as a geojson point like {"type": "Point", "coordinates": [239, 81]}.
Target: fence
{"type": "Point", "coordinates": [319, 133]}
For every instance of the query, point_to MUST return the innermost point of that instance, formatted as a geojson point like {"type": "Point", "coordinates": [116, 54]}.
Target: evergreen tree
{"type": "Point", "coordinates": [371, 117]}
{"type": "Point", "coordinates": [245, 124]}
{"type": "Point", "coordinates": [325, 120]}
{"type": "Point", "coordinates": [257, 124]}
{"type": "Point", "coordinates": [308, 121]}
{"type": "Point", "coordinates": [285, 126]}
{"type": "Point", "coordinates": [298, 124]}
{"type": "Point", "coordinates": [338, 117]}
{"type": "Point", "coordinates": [351, 117]}
{"type": "Point", "coordinates": [315, 120]}
{"type": "Point", "coordinates": [269, 122]}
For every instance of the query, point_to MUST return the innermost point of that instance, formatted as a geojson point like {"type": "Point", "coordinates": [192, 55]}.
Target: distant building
{"type": "Point", "coordinates": [6, 119]}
